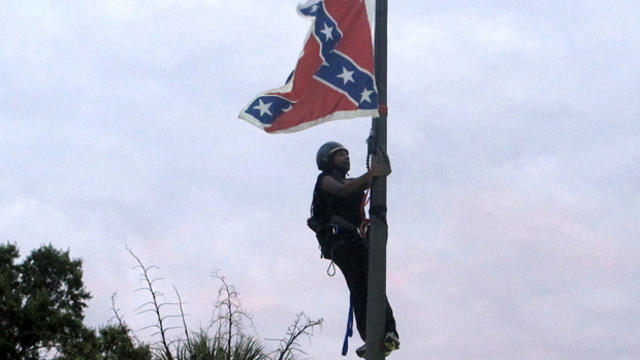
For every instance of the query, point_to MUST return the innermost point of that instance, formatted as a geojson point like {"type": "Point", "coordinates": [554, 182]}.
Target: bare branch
{"type": "Point", "coordinates": [302, 326]}
{"type": "Point", "coordinates": [184, 322]}
{"type": "Point", "coordinates": [155, 303]}
{"type": "Point", "coordinates": [228, 314]}
{"type": "Point", "coordinates": [143, 305]}
{"type": "Point", "coordinates": [148, 327]}
{"type": "Point", "coordinates": [145, 311]}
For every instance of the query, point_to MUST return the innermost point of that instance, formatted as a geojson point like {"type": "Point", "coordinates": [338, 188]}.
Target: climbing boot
{"type": "Point", "coordinates": [391, 342]}
{"type": "Point", "coordinates": [361, 351]}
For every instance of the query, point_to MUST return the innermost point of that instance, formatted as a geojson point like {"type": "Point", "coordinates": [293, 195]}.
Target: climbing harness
{"type": "Point", "coordinates": [331, 270]}
{"type": "Point", "coordinates": [361, 229]}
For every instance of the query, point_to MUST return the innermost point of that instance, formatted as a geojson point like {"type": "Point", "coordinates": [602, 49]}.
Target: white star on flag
{"type": "Point", "coordinates": [264, 108]}
{"type": "Point", "coordinates": [346, 76]}
{"type": "Point", "coordinates": [328, 31]}
{"type": "Point", "coordinates": [366, 95]}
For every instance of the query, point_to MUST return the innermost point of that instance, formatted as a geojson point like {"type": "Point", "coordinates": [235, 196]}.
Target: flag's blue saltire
{"type": "Point", "coordinates": [333, 78]}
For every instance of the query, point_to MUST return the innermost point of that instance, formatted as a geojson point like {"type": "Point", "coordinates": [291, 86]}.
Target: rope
{"type": "Point", "coordinates": [379, 149]}
{"type": "Point", "coordinates": [331, 270]}
{"type": "Point", "coordinates": [364, 224]}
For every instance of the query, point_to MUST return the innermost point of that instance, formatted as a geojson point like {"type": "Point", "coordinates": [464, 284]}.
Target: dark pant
{"type": "Point", "coordinates": [352, 257]}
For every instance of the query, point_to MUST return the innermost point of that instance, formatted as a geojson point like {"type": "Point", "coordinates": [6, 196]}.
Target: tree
{"type": "Point", "coordinates": [42, 301]}
{"type": "Point", "coordinates": [112, 342]}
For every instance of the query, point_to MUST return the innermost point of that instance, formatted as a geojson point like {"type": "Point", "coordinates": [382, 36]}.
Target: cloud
{"type": "Point", "coordinates": [503, 263]}
{"type": "Point", "coordinates": [512, 133]}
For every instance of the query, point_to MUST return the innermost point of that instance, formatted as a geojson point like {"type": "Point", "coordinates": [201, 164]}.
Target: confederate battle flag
{"type": "Point", "coordinates": [333, 78]}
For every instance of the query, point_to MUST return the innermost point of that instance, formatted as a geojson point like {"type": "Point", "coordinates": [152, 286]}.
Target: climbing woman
{"type": "Point", "coordinates": [337, 218]}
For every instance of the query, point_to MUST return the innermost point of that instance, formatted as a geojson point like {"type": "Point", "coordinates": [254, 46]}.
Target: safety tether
{"type": "Point", "coordinates": [349, 332]}
{"type": "Point", "coordinates": [364, 224]}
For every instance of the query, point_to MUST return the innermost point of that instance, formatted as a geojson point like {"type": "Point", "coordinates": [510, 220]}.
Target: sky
{"type": "Point", "coordinates": [513, 135]}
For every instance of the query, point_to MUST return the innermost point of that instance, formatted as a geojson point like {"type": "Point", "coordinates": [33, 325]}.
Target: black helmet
{"type": "Point", "coordinates": [325, 152]}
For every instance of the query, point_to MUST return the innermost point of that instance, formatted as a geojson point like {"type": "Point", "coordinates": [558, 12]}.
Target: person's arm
{"type": "Point", "coordinates": [379, 167]}
{"type": "Point", "coordinates": [333, 186]}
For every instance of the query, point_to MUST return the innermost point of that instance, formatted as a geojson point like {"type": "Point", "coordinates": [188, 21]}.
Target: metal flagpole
{"type": "Point", "coordinates": [376, 294]}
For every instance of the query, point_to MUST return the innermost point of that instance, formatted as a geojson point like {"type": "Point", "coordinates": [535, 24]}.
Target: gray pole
{"type": "Point", "coordinates": [376, 294]}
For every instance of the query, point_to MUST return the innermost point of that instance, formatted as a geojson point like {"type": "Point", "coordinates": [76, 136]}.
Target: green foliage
{"type": "Point", "coordinates": [206, 347]}
{"type": "Point", "coordinates": [10, 303]}
{"type": "Point", "coordinates": [109, 343]}
{"type": "Point", "coordinates": [116, 343]}
{"type": "Point", "coordinates": [202, 347]}
{"type": "Point", "coordinates": [248, 348]}
{"type": "Point", "coordinates": [42, 301]}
